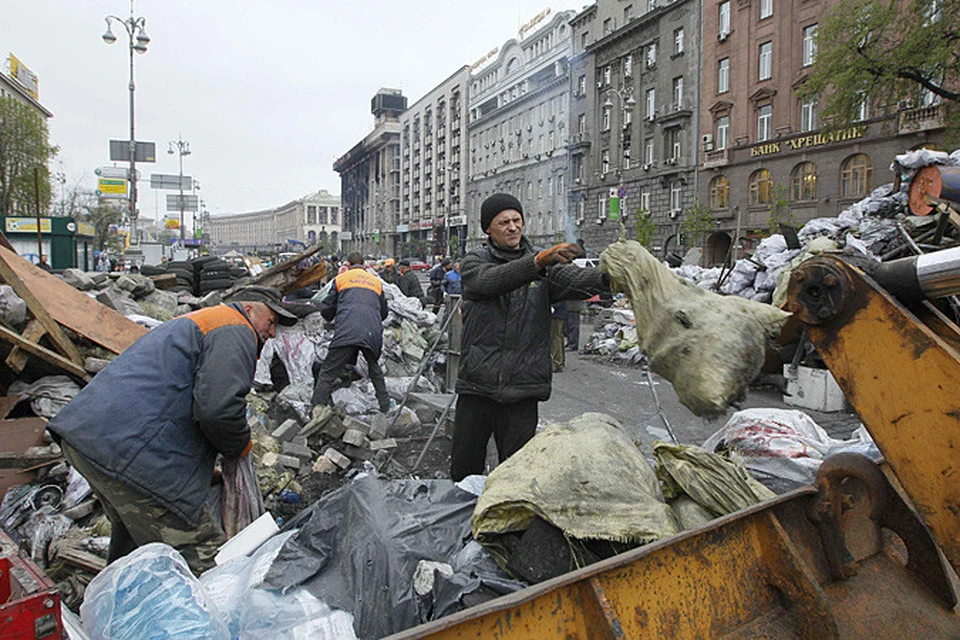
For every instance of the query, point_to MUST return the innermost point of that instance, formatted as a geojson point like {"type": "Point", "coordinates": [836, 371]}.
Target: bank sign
{"type": "Point", "coordinates": [805, 142]}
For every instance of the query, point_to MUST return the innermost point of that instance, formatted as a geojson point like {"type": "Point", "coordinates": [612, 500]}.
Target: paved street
{"type": "Point", "coordinates": [591, 383]}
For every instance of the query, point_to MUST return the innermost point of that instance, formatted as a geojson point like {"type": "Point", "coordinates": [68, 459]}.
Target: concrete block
{"type": "Point", "coordinates": [290, 462]}
{"type": "Point", "coordinates": [337, 458]}
{"type": "Point", "coordinates": [378, 427]}
{"type": "Point", "coordinates": [95, 365]}
{"type": "Point", "coordinates": [296, 450]}
{"type": "Point", "coordinates": [386, 443]}
{"type": "Point", "coordinates": [352, 424]}
{"type": "Point", "coordinates": [324, 464]}
{"type": "Point", "coordinates": [354, 437]}
{"type": "Point", "coordinates": [356, 453]}
{"type": "Point", "coordinates": [286, 431]}
{"type": "Point", "coordinates": [300, 440]}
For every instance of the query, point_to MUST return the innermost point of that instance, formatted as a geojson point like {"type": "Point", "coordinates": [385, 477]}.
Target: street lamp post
{"type": "Point", "coordinates": [137, 41]}
{"type": "Point", "coordinates": [182, 148]}
{"type": "Point", "coordinates": [627, 102]}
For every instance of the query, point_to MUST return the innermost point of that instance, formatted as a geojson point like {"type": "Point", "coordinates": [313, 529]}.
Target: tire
{"type": "Point", "coordinates": [238, 272]}
{"type": "Point", "coordinates": [202, 260]}
{"type": "Point", "coordinates": [216, 265]}
{"type": "Point", "coordinates": [182, 274]}
{"type": "Point", "coordinates": [152, 270]}
{"type": "Point", "coordinates": [216, 283]}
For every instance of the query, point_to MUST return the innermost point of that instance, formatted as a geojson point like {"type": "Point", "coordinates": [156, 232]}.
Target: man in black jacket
{"type": "Point", "coordinates": [357, 306]}
{"type": "Point", "coordinates": [505, 369]}
{"type": "Point", "coordinates": [408, 282]}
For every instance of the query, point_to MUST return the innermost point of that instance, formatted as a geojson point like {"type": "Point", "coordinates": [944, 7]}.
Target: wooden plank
{"type": "Point", "coordinates": [53, 358]}
{"type": "Point", "coordinates": [17, 359]}
{"type": "Point", "coordinates": [74, 309]}
{"type": "Point", "coordinates": [59, 338]}
{"type": "Point", "coordinates": [22, 460]}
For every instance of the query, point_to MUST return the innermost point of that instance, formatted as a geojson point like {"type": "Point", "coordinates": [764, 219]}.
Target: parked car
{"type": "Point", "coordinates": [417, 264]}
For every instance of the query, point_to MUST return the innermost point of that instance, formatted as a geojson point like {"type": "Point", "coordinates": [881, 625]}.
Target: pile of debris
{"type": "Point", "coordinates": [879, 227]}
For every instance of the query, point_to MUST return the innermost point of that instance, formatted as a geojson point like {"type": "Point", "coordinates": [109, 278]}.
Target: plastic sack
{"type": "Point", "coordinates": [778, 443]}
{"type": "Point", "coordinates": [717, 483]}
{"type": "Point", "coordinates": [241, 502]}
{"type": "Point", "coordinates": [48, 395]}
{"type": "Point", "coordinates": [681, 326]}
{"type": "Point", "coordinates": [585, 477]}
{"type": "Point", "coordinates": [150, 593]}
{"type": "Point", "coordinates": [250, 611]}
{"type": "Point", "coordinates": [13, 310]}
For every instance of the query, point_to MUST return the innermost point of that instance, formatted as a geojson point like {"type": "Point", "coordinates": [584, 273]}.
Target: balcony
{"type": "Point", "coordinates": [922, 119]}
{"type": "Point", "coordinates": [716, 158]}
{"type": "Point", "coordinates": [579, 142]}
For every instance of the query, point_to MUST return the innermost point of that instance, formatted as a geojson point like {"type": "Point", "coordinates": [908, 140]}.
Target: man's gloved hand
{"type": "Point", "coordinates": [559, 254]}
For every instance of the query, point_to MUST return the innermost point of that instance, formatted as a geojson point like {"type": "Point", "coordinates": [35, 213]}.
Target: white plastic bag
{"type": "Point", "coordinates": [150, 593]}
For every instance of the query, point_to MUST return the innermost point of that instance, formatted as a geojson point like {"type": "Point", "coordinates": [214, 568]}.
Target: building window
{"type": "Point", "coordinates": [560, 191]}
{"type": "Point", "coordinates": [809, 45]}
{"type": "Point", "coordinates": [761, 187]}
{"type": "Point", "coordinates": [627, 14]}
{"type": "Point", "coordinates": [626, 157]}
{"type": "Point", "coordinates": [766, 60]}
{"type": "Point", "coordinates": [863, 108]}
{"type": "Point", "coordinates": [581, 123]}
{"type": "Point", "coordinates": [607, 26]}
{"type": "Point", "coordinates": [803, 182]}
{"type": "Point", "coordinates": [601, 206]}
{"type": "Point", "coordinates": [856, 175]}
{"type": "Point", "coordinates": [723, 75]}
{"type": "Point", "coordinates": [651, 54]}
{"type": "Point", "coordinates": [808, 114]}
{"type": "Point", "coordinates": [676, 195]}
{"type": "Point", "coordinates": [678, 93]}
{"type": "Point", "coordinates": [764, 122]}
{"type": "Point", "coordinates": [723, 132]}
{"type": "Point", "coordinates": [582, 85]}
{"type": "Point", "coordinates": [605, 124]}
{"type": "Point", "coordinates": [648, 151]}
{"type": "Point", "coordinates": [584, 40]}
{"type": "Point", "coordinates": [605, 161]}
{"type": "Point", "coordinates": [628, 66]}
{"type": "Point", "coordinates": [724, 18]}
{"type": "Point", "coordinates": [644, 200]}
{"type": "Point", "coordinates": [672, 145]}
{"type": "Point", "coordinates": [720, 192]}
{"type": "Point", "coordinates": [766, 9]}
{"type": "Point", "coordinates": [651, 104]}
{"type": "Point", "coordinates": [678, 41]}
{"type": "Point", "coordinates": [529, 190]}
{"type": "Point", "coordinates": [607, 75]}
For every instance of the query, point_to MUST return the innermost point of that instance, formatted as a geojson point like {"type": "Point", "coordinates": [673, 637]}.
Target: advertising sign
{"type": "Point", "coordinates": [425, 224]}
{"type": "Point", "coordinates": [111, 187]}
{"type": "Point", "coordinates": [23, 225]}
{"type": "Point", "coordinates": [346, 235]}
{"type": "Point", "coordinates": [25, 77]}
{"type": "Point", "coordinates": [403, 228]}
{"type": "Point", "coordinates": [86, 229]}
{"type": "Point", "coordinates": [614, 205]}
{"type": "Point", "coordinates": [172, 222]}
{"type": "Point", "coordinates": [456, 221]}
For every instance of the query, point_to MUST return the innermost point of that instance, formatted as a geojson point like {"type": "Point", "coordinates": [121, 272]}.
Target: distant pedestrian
{"type": "Point", "coordinates": [357, 306]}
{"type": "Point", "coordinates": [388, 274]}
{"type": "Point", "coordinates": [408, 282]}
{"type": "Point", "coordinates": [451, 281]}
{"type": "Point", "coordinates": [437, 275]}
{"type": "Point", "coordinates": [558, 318]}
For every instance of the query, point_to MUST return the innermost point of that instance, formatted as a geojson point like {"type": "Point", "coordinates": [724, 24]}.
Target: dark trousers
{"type": "Point", "coordinates": [573, 330]}
{"type": "Point", "coordinates": [338, 359]}
{"type": "Point", "coordinates": [477, 417]}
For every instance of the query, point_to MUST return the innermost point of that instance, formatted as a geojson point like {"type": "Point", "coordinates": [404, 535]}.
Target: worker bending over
{"type": "Point", "coordinates": [357, 306]}
{"type": "Point", "coordinates": [147, 429]}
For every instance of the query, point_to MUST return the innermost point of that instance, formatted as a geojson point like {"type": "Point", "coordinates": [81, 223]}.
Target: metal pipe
{"type": "Point", "coordinates": [939, 273]}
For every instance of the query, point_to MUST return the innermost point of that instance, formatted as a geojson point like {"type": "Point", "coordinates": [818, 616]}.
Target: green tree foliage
{"type": "Point", "coordinates": [645, 227]}
{"type": "Point", "coordinates": [697, 221]}
{"type": "Point", "coordinates": [24, 147]}
{"type": "Point", "coordinates": [888, 50]}
{"type": "Point", "coordinates": [780, 210]}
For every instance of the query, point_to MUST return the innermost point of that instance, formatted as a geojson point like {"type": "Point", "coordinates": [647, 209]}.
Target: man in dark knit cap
{"type": "Point", "coordinates": [505, 368]}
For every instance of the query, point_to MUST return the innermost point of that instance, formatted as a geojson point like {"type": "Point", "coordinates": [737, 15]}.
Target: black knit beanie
{"type": "Point", "coordinates": [495, 204]}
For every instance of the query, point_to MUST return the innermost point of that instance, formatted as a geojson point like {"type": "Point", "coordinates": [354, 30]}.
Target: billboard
{"type": "Point", "coordinates": [172, 222]}
{"type": "Point", "coordinates": [25, 77]}
{"type": "Point", "coordinates": [23, 225]}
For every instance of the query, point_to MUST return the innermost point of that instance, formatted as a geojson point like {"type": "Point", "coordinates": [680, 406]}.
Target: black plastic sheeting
{"type": "Point", "coordinates": [358, 549]}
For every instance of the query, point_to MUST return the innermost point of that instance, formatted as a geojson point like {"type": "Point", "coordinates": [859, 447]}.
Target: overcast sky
{"type": "Point", "coordinates": [268, 94]}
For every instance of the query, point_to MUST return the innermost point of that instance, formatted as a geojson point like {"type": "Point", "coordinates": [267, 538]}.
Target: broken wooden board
{"type": "Point", "coordinates": [286, 276]}
{"type": "Point", "coordinates": [16, 435]}
{"type": "Point", "coordinates": [74, 309]}
{"type": "Point", "coordinates": [46, 354]}
{"type": "Point", "coordinates": [17, 359]}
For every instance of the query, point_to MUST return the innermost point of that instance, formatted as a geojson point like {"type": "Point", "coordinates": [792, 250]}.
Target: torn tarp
{"type": "Point", "coordinates": [358, 549]}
